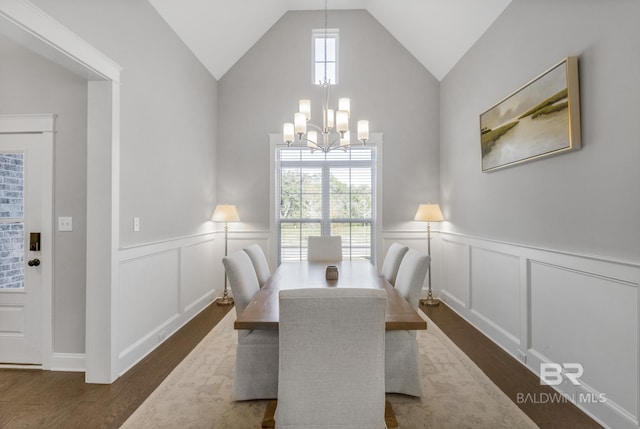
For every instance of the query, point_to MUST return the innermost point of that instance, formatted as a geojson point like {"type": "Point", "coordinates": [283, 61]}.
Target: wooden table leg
{"type": "Point", "coordinates": [389, 415]}
{"type": "Point", "coordinates": [268, 421]}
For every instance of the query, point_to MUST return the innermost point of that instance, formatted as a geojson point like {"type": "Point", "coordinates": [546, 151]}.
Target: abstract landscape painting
{"type": "Point", "coordinates": [540, 119]}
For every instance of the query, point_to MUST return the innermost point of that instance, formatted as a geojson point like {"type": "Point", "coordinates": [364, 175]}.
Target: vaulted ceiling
{"type": "Point", "coordinates": [436, 32]}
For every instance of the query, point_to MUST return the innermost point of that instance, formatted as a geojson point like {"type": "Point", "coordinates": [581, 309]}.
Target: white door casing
{"type": "Point", "coordinates": [25, 313]}
{"type": "Point", "coordinates": [27, 24]}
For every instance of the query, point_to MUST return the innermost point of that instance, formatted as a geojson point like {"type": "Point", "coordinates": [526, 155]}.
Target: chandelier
{"type": "Point", "coordinates": [334, 132]}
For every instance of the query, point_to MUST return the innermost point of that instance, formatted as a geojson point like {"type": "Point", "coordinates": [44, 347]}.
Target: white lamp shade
{"type": "Point", "coordinates": [429, 213]}
{"type": "Point", "coordinates": [345, 104]}
{"type": "Point", "coordinates": [225, 213]}
{"type": "Point", "coordinates": [287, 132]}
{"type": "Point", "coordinates": [300, 123]}
{"type": "Point", "coordinates": [363, 130]}
{"type": "Point", "coordinates": [342, 121]}
{"type": "Point", "coordinates": [305, 107]}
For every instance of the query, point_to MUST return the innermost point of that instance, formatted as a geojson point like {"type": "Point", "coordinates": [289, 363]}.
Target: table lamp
{"type": "Point", "coordinates": [429, 213]}
{"type": "Point", "coordinates": [225, 213]}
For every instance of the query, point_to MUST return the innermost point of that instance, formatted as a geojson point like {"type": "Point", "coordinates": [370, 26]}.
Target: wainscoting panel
{"type": "Point", "coordinates": [539, 305]}
{"type": "Point", "coordinates": [545, 306]}
{"type": "Point", "coordinates": [162, 286]}
{"type": "Point", "coordinates": [495, 290]}
{"type": "Point", "coordinates": [455, 274]}
{"type": "Point", "coordinates": [198, 263]}
{"type": "Point", "coordinates": [148, 300]}
{"type": "Point", "coordinates": [588, 319]}
{"type": "Point", "coordinates": [165, 284]}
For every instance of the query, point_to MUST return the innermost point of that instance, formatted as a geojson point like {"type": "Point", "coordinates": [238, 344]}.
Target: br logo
{"type": "Point", "coordinates": [554, 373]}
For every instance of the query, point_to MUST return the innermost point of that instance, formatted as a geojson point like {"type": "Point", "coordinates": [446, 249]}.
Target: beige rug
{"type": "Point", "coordinates": [197, 394]}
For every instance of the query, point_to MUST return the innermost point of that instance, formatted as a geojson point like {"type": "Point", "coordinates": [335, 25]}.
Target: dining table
{"type": "Point", "coordinates": [263, 312]}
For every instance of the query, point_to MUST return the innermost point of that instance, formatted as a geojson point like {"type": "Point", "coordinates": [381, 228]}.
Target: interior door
{"type": "Point", "coordinates": [22, 165]}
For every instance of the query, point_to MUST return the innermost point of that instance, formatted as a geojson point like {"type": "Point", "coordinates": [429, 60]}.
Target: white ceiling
{"type": "Point", "coordinates": [436, 32]}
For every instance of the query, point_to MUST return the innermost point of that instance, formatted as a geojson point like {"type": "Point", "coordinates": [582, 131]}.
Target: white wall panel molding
{"type": "Point", "coordinates": [179, 275]}
{"type": "Point", "coordinates": [455, 287]}
{"type": "Point", "coordinates": [132, 252]}
{"type": "Point", "coordinates": [140, 326]}
{"type": "Point", "coordinates": [549, 306]}
{"type": "Point", "coordinates": [182, 275]}
{"type": "Point", "coordinates": [494, 288]}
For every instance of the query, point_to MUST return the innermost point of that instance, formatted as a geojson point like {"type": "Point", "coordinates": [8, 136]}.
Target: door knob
{"type": "Point", "coordinates": [34, 262]}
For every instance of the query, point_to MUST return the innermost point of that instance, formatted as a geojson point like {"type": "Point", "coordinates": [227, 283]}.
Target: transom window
{"type": "Point", "coordinates": [326, 194]}
{"type": "Point", "coordinates": [325, 55]}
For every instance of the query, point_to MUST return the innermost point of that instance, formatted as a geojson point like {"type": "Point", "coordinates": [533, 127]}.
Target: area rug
{"type": "Point", "coordinates": [197, 394]}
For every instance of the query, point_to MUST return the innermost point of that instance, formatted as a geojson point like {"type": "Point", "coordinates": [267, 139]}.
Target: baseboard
{"type": "Point", "coordinates": [72, 362]}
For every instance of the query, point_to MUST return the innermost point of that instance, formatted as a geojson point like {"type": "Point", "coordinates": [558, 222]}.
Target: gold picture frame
{"type": "Point", "coordinates": [540, 119]}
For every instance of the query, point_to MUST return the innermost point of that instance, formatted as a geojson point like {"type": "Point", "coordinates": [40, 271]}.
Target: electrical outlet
{"type": "Point", "coordinates": [136, 224]}
{"type": "Point", "coordinates": [522, 356]}
{"type": "Point", "coordinates": [65, 223]}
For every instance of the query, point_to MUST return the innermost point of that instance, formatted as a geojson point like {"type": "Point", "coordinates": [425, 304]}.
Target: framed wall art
{"type": "Point", "coordinates": [540, 119]}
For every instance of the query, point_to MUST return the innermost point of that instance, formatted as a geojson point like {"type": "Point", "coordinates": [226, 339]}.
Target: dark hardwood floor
{"type": "Point", "coordinates": [45, 399]}
{"type": "Point", "coordinates": [508, 374]}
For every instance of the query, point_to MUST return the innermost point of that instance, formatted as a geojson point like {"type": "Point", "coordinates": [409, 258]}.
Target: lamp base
{"type": "Point", "coordinates": [430, 302]}
{"type": "Point", "coordinates": [225, 300]}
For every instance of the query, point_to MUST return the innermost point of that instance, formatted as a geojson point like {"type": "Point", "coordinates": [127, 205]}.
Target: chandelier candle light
{"type": "Point", "coordinates": [334, 133]}
{"type": "Point", "coordinates": [429, 213]}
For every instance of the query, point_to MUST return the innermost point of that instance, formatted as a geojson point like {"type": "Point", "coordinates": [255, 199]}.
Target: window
{"type": "Point", "coordinates": [12, 220]}
{"type": "Point", "coordinates": [326, 194]}
{"type": "Point", "coordinates": [325, 56]}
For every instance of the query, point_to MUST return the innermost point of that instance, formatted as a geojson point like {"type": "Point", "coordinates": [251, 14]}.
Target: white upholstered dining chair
{"type": "Point", "coordinates": [324, 249]}
{"type": "Point", "coordinates": [331, 371]}
{"type": "Point", "coordinates": [392, 261]}
{"type": "Point", "coordinates": [259, 261]}
{"type": "Point", "coordinates": [402, 357]}
{"type": "Point", "coordinates": [256, 371]}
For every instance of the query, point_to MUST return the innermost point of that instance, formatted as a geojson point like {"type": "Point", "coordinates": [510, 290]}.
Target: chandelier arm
{"type": "Point", "coordinates": [298, 143]}
{"type": "Point", "coordinates": [312, 125]}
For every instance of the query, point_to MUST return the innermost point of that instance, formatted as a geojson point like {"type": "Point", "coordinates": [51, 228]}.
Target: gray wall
{"type": "Point", "coordinates": [168, 113]}
{"type": "Point", "coordinates": [30, 84]}
{"type": "Point", "coordinates": [385, 83]}
{"type": "Point", "coordinates": [585, 202]}
{"type": "Point", "coordinates": [168, 137]}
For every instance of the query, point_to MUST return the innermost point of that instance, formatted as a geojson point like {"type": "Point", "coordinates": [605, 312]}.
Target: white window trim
{"type": "Point", "coordinates": [275, 140]}
{"type": "Point", "coordinates": [320, 32]}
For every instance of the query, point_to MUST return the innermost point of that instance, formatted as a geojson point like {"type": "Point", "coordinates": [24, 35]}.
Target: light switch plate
{"type": "Point", "coordinates": [65, 223]}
